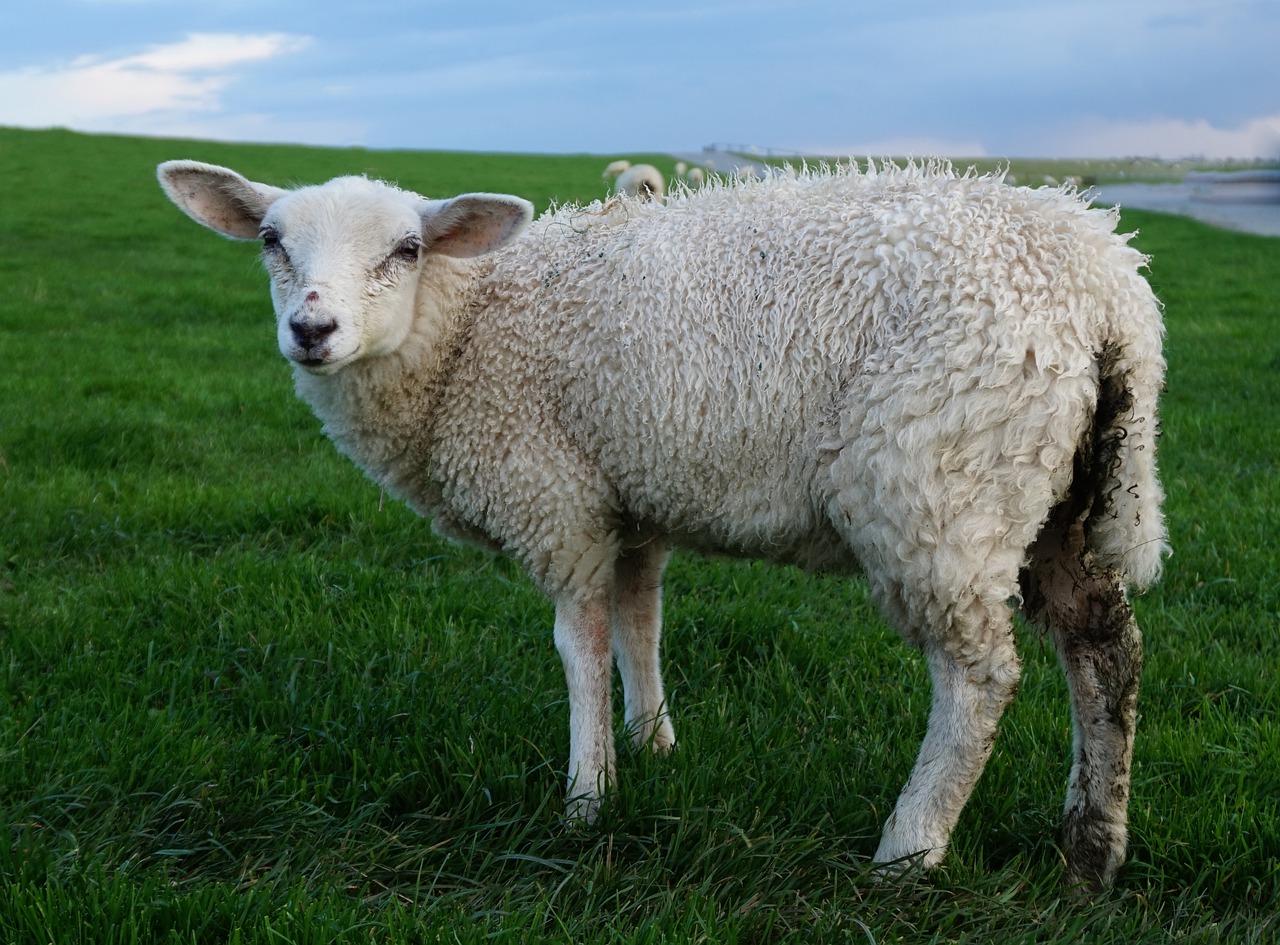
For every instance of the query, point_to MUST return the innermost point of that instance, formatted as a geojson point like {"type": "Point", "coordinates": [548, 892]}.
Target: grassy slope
{"type": "Point", "coordinates": [242, 699]}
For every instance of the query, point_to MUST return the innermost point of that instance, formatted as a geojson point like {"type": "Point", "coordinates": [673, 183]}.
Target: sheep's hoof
{"type": "Point", "coordinates": [582, 811]}
{"type": "Point", "coordinates": [908, 869]}
{"type": "Point", "coordinates": [1089, 877]}
{"type": "Point", "coordinates": [1094, 850]}
{"type": "Point", "coordinates": [659, 738]}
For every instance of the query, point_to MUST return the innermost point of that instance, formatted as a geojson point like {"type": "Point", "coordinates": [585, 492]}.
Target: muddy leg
{"type": "Point", "coordinates": [1100, 649]}
{"type": "Point", "coordinates": [637, 633]}
{"type": "Point", "coordinates": [969, 696]}
{"type": "Point", "coordinates": [582, 639]}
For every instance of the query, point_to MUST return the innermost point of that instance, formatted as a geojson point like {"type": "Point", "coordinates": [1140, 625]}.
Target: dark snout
{"type": "Point", "coordinates": [310, 332]}
{"type": "Point", "coordinates": [310, 328]}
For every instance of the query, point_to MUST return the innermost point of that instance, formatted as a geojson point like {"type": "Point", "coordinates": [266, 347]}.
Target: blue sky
{"type": "Point", "coordinates": [1014, 78]}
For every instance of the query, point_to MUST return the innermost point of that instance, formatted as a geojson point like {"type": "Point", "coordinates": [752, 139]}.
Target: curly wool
{"type": "Point", "coordinates": [752, 379]}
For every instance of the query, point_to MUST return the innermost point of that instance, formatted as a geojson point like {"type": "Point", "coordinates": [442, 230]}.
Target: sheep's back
{"type": "Point", "coordinates": [699, 352]}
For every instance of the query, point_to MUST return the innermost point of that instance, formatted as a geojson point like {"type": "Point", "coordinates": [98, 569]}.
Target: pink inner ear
{"type": "Point", "coordinates": [453, 234]}
{"type": "Point", "coordinates": [219, 199]}
{"type": "Point", "coordinates": [466, 231]}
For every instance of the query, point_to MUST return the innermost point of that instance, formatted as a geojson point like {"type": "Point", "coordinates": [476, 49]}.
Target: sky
{"type": "Point", "coordinates": [1004, 78]}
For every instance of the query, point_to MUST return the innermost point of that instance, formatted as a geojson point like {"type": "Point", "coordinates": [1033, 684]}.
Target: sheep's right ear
{"type": "Point", "coordinates": [473, 224]}
{"type": "Point", "coordinates": [217, 197]}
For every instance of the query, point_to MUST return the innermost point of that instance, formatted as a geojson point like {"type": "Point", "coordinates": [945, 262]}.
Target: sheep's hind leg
{"type": "Point", "coordinates": [972, 686]}
{"type": "Point", "coordinates": [1100, 648]}
{"type": "Point", "coordinates": [637, 633]}
{"type": "Point", "coordinates": [582, 639]}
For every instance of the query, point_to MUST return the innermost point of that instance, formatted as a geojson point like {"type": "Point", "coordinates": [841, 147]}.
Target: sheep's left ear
{"type": "Point", "coordinates": [473, 224]}
{"type": "Point", "coordinates": [217, 197]}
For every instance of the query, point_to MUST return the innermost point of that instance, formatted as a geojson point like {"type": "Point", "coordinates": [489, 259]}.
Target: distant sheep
{"type": "Point", "coordinates": [944, 381]}
{"type": "Point", "coordinates": [643, 181]}
{"type": "Point", "coordinates": [695, 177]}
{"type": "Point", "coordinates": [639, 180]}
{"type": "Point", "coordinates": [614, 168]}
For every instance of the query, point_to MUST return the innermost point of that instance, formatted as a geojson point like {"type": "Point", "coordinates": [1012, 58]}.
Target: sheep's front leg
{"type": "Point", "coordinates": [637, 635]}
{"type": "Point", "coordinates": [582, 639]}
{"type": "Point", "coordinates": [968, 699]}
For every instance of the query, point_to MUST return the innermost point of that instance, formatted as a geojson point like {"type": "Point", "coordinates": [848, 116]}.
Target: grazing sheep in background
{"type": "Point", "coordinates": [643, 181]}
{"type": "Point", "coordinates": [945, 381]}
{"type": "Point", "coordinates": [614, 169]}
{"type": "Point", "coordinates": [640, 180]}
{"type": "Point", "coordinates": [695, 177]}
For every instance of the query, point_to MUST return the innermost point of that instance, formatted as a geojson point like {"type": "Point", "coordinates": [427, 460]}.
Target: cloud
{"type": "Point", "coordinates": [1169, 138]}
{"type": "Point", "coordinates": [92, 92]}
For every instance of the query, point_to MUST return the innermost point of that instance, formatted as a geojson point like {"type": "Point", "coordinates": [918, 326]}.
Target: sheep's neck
{"type": "Point", "coordinates": [380, 412]}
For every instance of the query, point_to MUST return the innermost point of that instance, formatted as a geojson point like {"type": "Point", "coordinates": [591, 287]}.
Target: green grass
{"type": "Point", "coordinates": [244, 700]}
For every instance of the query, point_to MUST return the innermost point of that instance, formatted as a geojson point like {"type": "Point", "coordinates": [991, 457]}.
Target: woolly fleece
{"type": "Point", "coordinates": [901, 373]}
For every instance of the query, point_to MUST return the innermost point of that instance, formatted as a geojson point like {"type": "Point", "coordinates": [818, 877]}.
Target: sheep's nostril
{"type": "Point", "coordinates": [309, 334]}
{"type": "Point", "coordinates": [313, 297]}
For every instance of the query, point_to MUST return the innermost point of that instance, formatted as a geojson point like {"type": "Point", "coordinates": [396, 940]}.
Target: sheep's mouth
{"type": "Point", "coordinates": [320, 365]}
{"type": "Point", "coordinates": [310, 360]}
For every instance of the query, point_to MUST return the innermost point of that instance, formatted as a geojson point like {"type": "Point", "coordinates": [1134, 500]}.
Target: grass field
{"type": "Point", "coordinates": [242, 699]}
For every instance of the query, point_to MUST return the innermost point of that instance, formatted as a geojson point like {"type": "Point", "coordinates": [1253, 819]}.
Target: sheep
{"type": "Point", "coordinates": [643, 181]}
{"type": "Point", "coordinates": [639, 180]}
{"type": "Point", "coordinates": [614, 168]}
{"type": "Point", "coordinates": [695, 177]}
{"type": "Point", "coordinates": [941, 381]}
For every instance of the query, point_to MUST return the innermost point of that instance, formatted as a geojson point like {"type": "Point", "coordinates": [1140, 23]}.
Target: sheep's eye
{"type": "Point", "coordinates": [408, 249]}
{"type": "Point", "coordinates": [270, 240]}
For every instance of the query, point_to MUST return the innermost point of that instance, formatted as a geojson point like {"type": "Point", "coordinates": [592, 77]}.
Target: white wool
{"type": "Point", "coordinates": [922, 275]}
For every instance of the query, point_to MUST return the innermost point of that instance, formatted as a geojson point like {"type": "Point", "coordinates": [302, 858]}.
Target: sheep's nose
{"type": "Point", "coordinates": [309, 333]}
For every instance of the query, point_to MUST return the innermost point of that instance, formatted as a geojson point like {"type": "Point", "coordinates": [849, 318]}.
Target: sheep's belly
{"type": "Point", "coordinates": [754, 503]}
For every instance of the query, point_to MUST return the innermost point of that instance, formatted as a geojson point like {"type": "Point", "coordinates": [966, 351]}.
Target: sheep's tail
{"type": "Point", "coordinates": [1122, 498]}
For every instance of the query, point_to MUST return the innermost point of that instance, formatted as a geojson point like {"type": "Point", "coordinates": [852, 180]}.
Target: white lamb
{"type": "Point", "coordinates": [945, 381]}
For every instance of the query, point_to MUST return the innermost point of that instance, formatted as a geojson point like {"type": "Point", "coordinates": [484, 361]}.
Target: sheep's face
{"type": "Point", "coordinates": [344, 262]}
{"type": "Point", "coordinates": [344, 257]}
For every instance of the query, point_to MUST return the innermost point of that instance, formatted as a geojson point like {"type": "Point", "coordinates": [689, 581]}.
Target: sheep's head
{"type": "Point", "coordinates": [344, 257]}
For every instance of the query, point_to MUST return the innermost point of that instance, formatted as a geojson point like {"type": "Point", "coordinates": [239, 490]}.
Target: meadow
{"type": "Point", "coordinates": [244, 699]}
